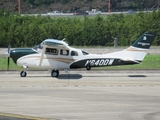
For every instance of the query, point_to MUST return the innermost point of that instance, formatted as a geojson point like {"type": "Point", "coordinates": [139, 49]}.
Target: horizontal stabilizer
{"type": "Point", "coordinates": [128, 59]}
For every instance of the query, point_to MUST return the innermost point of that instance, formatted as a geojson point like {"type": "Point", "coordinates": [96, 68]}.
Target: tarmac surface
{"type": "Point", "coordinates": [77, 95]}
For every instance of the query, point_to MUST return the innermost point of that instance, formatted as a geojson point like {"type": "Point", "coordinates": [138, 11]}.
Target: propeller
{"type": "Point", "coordinates": [8, 61]}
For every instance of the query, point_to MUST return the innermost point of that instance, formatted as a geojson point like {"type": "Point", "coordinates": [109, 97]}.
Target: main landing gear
{"type": "Point", "coordinates": [55, 73]}
{"type": "Point", "coordinates": [88, 67]}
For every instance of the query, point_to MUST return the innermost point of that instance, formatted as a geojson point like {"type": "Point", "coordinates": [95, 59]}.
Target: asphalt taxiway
{"type": "Point", "coordinates": [89, 95]}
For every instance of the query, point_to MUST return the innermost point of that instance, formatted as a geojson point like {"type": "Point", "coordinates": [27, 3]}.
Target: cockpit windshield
{"type": "Point", "coordinates": [38, 47]}
{"type": "Point", "coordinates": [85, 53]}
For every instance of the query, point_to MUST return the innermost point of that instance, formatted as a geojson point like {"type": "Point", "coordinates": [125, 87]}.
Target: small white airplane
{"type": "Point", "coordinates": [55, 55]}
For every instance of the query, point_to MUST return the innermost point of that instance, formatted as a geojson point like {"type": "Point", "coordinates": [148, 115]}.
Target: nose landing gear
{"type": "Point", "coordinates": [24, 73]}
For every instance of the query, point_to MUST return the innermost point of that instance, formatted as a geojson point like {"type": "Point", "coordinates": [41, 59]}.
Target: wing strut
{"type": "Point", "coordinates": [42, 55]}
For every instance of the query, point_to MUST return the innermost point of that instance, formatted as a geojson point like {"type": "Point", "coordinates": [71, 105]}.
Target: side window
{"type": "Point", "coordinates": [64, 52]}
{"type": "Point", "coordinates": [52, 51]}
{"type": "Point", "coordinates": [74, 53]}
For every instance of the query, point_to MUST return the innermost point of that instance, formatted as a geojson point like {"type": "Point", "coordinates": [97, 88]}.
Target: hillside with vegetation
{"type": "Point", "coordinates": [27, 31]}
{"type": "Point", "coordinates": [44, 6]}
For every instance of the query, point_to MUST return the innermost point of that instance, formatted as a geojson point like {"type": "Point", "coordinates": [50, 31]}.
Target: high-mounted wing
{"type": "Point", "coordinates": [54, 43]}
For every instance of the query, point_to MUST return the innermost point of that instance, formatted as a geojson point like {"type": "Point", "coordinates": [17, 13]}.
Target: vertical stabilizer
{"type": "Point", "coordinates": [137, 50]}
{"type": "Point", "coordinates": [144, 41]}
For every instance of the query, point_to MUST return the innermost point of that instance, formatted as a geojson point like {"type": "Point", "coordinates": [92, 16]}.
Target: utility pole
{"type": "Point", "coordinates": [109, 7]}
{"type": "Point", "coordinates": [19, 8]}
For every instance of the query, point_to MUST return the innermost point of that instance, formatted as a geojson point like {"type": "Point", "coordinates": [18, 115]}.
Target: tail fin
{"type": "Point", "coordinates": [138, 49]}
{"type": "Point", "coordinates": [144, 42]}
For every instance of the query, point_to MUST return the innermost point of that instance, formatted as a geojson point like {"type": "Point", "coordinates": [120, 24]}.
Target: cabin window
{"type": "Point", "coordinates": [52, 51]}
{"type": "Point", "coordinates": [74, 53]}
{"type": "Point", "coordinates": [64, 52]}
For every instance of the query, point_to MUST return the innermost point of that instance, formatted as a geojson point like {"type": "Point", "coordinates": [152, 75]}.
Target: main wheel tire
{"type": "Point", "coordinates": [88, 68]}
{"type": "Point", "coordinates": [23, 74]}
{"type": "Point", "coordinates": [55, 73]}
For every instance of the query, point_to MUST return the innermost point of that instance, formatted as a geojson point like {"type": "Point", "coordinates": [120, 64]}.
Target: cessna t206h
{"type": "Point", "coordinates": [55, 55]}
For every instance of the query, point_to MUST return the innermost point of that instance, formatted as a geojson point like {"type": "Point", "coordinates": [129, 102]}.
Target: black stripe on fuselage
{"type": "Point", "coordinates": [101, 62]}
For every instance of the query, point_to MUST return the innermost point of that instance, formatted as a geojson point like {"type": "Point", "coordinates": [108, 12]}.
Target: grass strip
{"type": "Point", "coordinates": [149, 62]}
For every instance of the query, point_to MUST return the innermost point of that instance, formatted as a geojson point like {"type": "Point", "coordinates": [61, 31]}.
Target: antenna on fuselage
{"type": "Point", "coordinates": [63, 39]}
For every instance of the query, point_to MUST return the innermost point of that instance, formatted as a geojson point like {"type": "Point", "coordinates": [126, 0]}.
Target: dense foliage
{"type": "Point", "coordinates": [27, 31]}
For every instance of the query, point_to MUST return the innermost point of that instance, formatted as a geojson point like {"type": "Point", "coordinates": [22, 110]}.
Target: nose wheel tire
{"type": "Point", "coordinates": [23, 74]}
{"type": "Point", "coordinates": [55, 73]}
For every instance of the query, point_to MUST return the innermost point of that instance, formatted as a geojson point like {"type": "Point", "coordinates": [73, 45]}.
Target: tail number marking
{"type": "Point", "coordinates": [99, 62]}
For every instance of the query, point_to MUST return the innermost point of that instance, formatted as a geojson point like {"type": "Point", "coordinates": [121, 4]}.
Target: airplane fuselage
{"type": "Point", "coordinates": [57, 55]}
{"type": "Point", "coordinates": [32, 58]}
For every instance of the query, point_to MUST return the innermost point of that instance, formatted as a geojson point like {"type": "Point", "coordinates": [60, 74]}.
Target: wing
{"type": "Point", "coordinates": [54, 43]}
